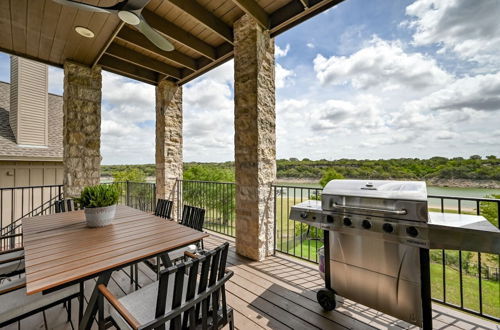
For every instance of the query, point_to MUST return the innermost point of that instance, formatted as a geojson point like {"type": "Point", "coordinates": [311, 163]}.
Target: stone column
{"type": "Point", "coordinates": [255, 138]}
{"type": "Point", "coordinates": [81, 127]}
{"type": "Point", "coordinates": [168, 140]}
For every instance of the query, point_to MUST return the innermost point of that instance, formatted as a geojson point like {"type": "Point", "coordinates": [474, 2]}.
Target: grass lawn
{"type": "Point", "coordinates": [491, 290]}
{"type": "Point", "coordinates": [307, 249]}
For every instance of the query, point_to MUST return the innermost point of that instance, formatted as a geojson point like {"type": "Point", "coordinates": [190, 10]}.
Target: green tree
{"type": "Point", "coordinates": [328, 175]}
{"type": "Point", "coordinates": [219, 198]}
{"type": "Point", "coordinates": [132, 175]}
{"type": "Point", "coordinates": [489, 210]}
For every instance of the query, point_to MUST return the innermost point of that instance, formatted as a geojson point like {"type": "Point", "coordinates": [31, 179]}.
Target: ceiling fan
{"type": "Point", "coordinates": [129, 11]}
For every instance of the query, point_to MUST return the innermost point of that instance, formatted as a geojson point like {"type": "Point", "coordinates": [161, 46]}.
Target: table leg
{"type": "Point", "coordinates": [165, 259]}
{"type": "Point", "coordinates": [90, 312]}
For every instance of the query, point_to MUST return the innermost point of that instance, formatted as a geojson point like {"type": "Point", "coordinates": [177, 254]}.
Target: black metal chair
{"type": "Point", "coordinates": [164, 208]}
{"type": "Point", "coordinates": [66, 205]}
{"type": "Point", "coordinates": [192, 217]}
{"type": "Point", "coordinates": [11, 259]}
{"type": "Point", "coordinates": [15, 303]}
{"type": "Point", "coordinates": [190, 295]}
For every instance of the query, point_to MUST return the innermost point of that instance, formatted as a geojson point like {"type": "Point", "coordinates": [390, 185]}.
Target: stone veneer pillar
{"type": "Point", "coordinates": [255, 138]}
{"type": "Point", "coordinates": [168, 140]}
{"type": "Point", "coordinates": [81, 127]}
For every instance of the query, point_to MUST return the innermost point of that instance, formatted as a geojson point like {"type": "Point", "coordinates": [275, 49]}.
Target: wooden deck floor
{"type": "Point", "coordinates": [278, 293]}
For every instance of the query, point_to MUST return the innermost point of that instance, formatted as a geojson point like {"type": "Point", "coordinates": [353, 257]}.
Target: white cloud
{"type": "Point", "coordinates": [56, 80]}
{"type": "Point", "coordinates": [128, 115]}
{"type": "Point", "coordinates": [480, 93]}
{"type": "Point", "coordinates": [283, 76]}
{"type": "Point", "coordinates": [471, 29]}
{"type": "Point", "coordinates": [209, 116]}
{"type": "Point", "coordinates": [382, 64]}
{"type": "Point", "coordinates": [310, 45]}
{"type": "Point", "coordinates": [281, 52]}
{"type": "Point", "coordinates": [360, 115]}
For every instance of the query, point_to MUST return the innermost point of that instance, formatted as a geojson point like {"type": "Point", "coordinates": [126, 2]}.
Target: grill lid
{"type": "Point", "coordinates": [395, 190]}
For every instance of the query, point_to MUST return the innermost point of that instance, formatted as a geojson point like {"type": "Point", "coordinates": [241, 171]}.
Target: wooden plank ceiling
{"type": "Point", "coordinates": [201, 31]}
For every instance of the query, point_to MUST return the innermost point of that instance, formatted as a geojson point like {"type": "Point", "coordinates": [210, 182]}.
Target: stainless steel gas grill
{"type": "Point", "coordinates": [377, 239]}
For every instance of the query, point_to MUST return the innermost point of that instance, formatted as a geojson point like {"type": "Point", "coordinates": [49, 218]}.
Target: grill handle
{"type": "Point", "coordinates": [357, 208]}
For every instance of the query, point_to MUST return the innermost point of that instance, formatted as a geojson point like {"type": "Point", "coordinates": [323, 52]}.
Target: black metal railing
{"type": "Point", "coordinates": [467, 280]}
{"type": "Point", "coordinates": [17, 203]}
{"type": "Point", "coordinates": [461, 279]}
{"type": "Point", "coordinates": [217, 198]}
{"type": "Point", "coordinates": [139, 195]}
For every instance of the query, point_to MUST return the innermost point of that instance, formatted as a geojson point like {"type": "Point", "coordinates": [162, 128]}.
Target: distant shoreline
{"type": "Point", "coordinates": [452, 183]}
{"type": "Point", "coordinates": [445, 183]}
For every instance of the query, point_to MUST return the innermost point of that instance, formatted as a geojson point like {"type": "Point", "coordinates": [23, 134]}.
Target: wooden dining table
{"type": "Point", "coordinates": [60, 250]}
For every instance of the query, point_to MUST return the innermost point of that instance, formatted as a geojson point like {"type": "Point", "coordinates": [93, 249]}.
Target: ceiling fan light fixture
{"type": "Point", "coordinates": [84, 32]}
{"type": "Point", "coordinates": [129, 17]}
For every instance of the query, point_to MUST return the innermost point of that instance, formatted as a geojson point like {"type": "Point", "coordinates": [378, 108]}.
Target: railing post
{"type": "Point", "coordinates": [178, 184]}
{"type": "Point", "coordinates": [127, 196]}
{"type": "Point", "coordinates": [275, 227]}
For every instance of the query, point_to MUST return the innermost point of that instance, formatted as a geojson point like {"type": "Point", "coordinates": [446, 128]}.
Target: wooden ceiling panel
{"type": "Point", "coordinates": [18, 13]}
{"type": "Point", "coordinates": [146, 53]}
{"type": "Point", "coordinates": [271, 6]}
{"type": "Point", "coordinates": [5, 25]}
{"type": "Point", "coordinates": [200, 30]}
{"type": "Point", "coordinates": [64, 31]}
{"type": "Point", "coordinates": [34, 20]}
{"type": "Point", "coordinates": [51, 13]}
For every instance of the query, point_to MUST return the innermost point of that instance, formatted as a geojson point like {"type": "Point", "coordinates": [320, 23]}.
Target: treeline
{"type": "Point", "coordinates": [472, 168]}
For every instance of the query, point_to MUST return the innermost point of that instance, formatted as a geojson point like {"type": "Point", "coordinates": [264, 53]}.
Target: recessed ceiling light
{"type": "Point", "coordinates": [83, 31]}
{"type": "Point", "coordinates": [129, 17]}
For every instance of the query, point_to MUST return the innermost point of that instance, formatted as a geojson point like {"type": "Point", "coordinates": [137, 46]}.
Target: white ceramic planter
{"type": "Point", "coordinates": [100, 216]}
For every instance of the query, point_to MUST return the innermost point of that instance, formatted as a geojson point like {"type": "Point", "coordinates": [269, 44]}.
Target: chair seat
{"type": "Point", "coordinates": [12, 267]}
{"type": "Point", "coordinates": [10, 255]}
{"type": "Point", "coordinates": [176, 254]}
{"type": "Point", "coordinates": [179, 253]}
{"type": "Point", "coordinates": [142, 303]}
{"type": "Point", "coordinates": [19, 303]}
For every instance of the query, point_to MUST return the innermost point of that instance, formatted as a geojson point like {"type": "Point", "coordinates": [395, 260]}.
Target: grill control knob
{"type": "Point", "coordinates": [412, 231]}
{"type": "Point", "coordinates": [347, 222]}
{"type": "Point", "coordinates": [366, 224]}
{"type": "Point", "coordinates": [388, 228]}
{"type": "Point", "coordinates": [329, 218]}
{"type": "Point", "coordinates": [303, 215]}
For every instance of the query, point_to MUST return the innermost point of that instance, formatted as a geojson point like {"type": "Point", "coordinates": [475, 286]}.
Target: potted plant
{"type": "Point", "coordinates": [99, 204]}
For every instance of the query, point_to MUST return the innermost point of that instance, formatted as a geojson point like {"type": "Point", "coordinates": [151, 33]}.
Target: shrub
{"type": "Point", "coordinates": [98, 196]}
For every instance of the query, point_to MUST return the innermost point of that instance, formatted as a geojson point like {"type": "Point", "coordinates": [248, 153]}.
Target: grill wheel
{"type": "Point", "coordinates": [326, 299]}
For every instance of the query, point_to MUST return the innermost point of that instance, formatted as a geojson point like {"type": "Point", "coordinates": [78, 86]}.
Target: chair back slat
{"type": "Point", "coordinates": [193, 303]}
{"type": "Point", "coordinates": [193, 217]}
{"type": "Point", "coordinates": [164, 208]}
{"type": "Point", "coordinates": [66, 205]}
{"type": "Point", "coordinates": [177, 296]}
{"type": "Point", "coordinates": [161, 299]}
{"type": "Point", "coordinates": [190, 292]}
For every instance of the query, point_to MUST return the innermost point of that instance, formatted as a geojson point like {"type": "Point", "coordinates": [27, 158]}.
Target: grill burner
{"type": "Point", "coordinates": [378, 251]}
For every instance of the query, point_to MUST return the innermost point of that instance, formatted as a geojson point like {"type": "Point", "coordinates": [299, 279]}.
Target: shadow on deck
{"type": "Point", "coordinates": [279, 293]}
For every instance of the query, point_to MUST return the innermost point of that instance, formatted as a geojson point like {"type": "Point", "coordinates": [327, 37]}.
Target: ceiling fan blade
{"type": "Point", "coordinates": [84, 6]}
{"type": "Point", "coordinates": [154, 36]}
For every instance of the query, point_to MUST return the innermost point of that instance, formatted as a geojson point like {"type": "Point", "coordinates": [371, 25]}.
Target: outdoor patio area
{"type": "Point", "coordinates": [278, 293]}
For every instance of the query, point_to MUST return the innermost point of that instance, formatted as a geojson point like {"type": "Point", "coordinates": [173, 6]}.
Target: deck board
{"type": "Point", "coordinates": [279, 293]}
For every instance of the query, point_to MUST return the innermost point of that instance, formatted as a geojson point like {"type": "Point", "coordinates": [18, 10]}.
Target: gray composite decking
{"type": "Point", "coordinates": [278, 293]}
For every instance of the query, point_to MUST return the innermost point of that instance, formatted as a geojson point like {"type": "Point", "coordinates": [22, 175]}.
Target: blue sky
{"type": "Point", "coordinates": [366, 79]}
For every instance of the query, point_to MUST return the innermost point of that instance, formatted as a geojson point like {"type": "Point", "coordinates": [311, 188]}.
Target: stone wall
{"type": "Point", "coordinates": [168, 140]}
{"type": "Point", "coordinates": [255, 138]}
{"type": "Point", "coordinates": [81, 127]}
